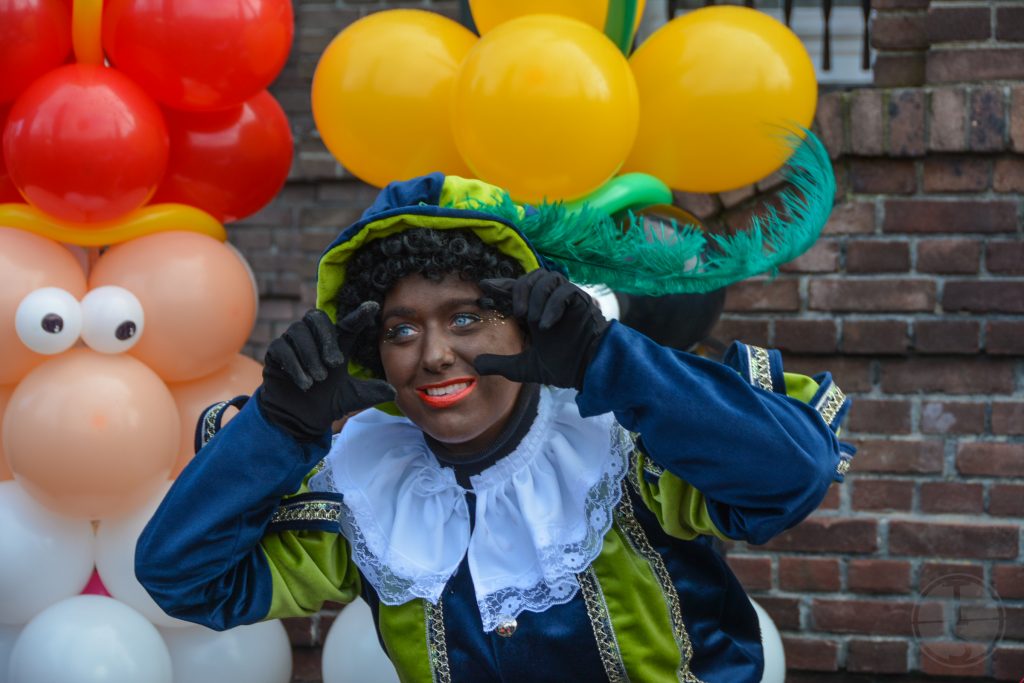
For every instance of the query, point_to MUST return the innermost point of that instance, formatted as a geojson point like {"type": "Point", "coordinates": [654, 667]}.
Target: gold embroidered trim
{"type": "Point", "coordinates": [210, 421]}
{"type": "Point", "coordinates": [601, 622]}
{"type": "Point", "coordinates": [307, 511]}
{"type": "Point", "coordinates": [437, 647]}
{"type": "Point", "coordinates": [831, 402]}
{"type": "Point", "coordinates": [760, 367]}
{"type": "Point", "coordinates": [843, 467]}
{"type": "Point", "coordinates": [641, 544]}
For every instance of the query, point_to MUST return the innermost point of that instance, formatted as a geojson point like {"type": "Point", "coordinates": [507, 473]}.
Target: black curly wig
{"type": "Point", "coordinates": [375, 268]}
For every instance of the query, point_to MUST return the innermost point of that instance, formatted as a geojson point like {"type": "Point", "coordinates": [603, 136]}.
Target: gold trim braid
{"type": "Point", "coordinates": [830, 403]}
{"type": "Point", "coordinates": [760, 367]}
{"type": "Point", "coordinates": [437, 647]}
{"type": "Point", "coordinates": [307, 511]}
{"type": "Point", "coordinates": [601, 622]}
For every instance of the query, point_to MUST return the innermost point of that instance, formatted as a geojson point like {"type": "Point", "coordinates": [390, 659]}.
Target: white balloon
{"type": "Point", "coordinates": [259, 653]}
{"type": "Point", "coordinates": [46, 557]}
{"type": "Point", "coordinates": [771, 642]}
{"type": "Point", "coordinates": [90, 639]}
{"type": "Point", "coordinates": [352, 653]}
{"type": "Point", "coordinates": [8, 634]}
{"type": "Point", "coordinates": [115, 561]}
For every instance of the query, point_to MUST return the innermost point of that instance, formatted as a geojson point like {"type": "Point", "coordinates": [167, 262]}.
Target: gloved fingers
{"type": "Point", "coordinates": [557, 304]}
{"type": "Point", "coordinates": [522, 291]}
{"type": "Point", "coordinates": [281, 357]}
{"type": "Point", "coordinates": [307, 350]}
{"type": "Point", "coordinates": [509, 367]}
{"type": "Point", "coordinates": [370, 392]}
{"type": "Point", "coordinates": [355, 322]}
{"type": "Point", "coordinates": [541, 292]}
{"type": "Point", "coordinates": [497, 288]}
{"type": "Point", "coordinates": [326, 337]}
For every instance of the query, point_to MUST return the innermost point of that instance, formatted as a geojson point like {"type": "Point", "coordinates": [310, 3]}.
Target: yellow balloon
{"type": "Point", "coordinates": [546, 107]}
{"type": "Point", "coordinates": [382, 91]}
{"type": "Point", "coordinates": [720, 88]}
{"type": "Point", "coordinates": [489, 13]}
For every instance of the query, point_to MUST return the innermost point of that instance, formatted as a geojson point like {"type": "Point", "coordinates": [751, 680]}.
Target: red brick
{"type": "Point", "coordinates": [949, 66]}
{"type": "Point", "coordinates": [1005, 257]}
{"type": "Point", "coordinates": [905, 31]}
{"type": "Point", "coordinates": [990, 458]}
{"type": "Point", "coordinates": [879, 576]}
{"type": "Point", "coordinates": [763, 295]}
{"type": "Point", "coordinates": [882, 176]}
{"type": "Point", "coordinates": [954, 24]}
{"type": "Point", "coordinates": [736, 197]}
{"type": "Point", "coordinates": [823, 257]}
{"type": "Point", "coordinates": [866, 122]}
{"type": "Point", "coordinates": [880, 416]}
{"type": "Point", "coordinates": [748, 331]}
{"type": "Point", "coordinates": [882, 494]}
{"type": "Point", "coordinates": [1010, 27]}
{"type": "Point", "coordinates": [988, 124]}
{"type": "Point", "coordinates": [1008, 418]}
{"type": "Point", "coordinates": [828, 121]}
{"type": "Point", "coordinates": [1004, 337]}
{"type": "Point", "coordinates": [852, 374]}
{"type": "Point", "coordinates": [808, 574]}
{"type": "Point", "coordinates": [875, 336]}
{"type": "Point", "coordinates": [906, 122]}
{"type": "Point", "coordinates": [754, 572]}
{"type": "Point", "coordinates": [828, 535]}
{"type": "Point", "coordinates": [811, 654]}
{"type": "Point", "coordinates": [806, 336]}
{"type": "Point", "coordinates": [952, 376]}
{"type": "Point", "coordinates": [957, 659]}
{"type": "Point", "coordinates": [987, 541]}
{"type": "Point", "coordinates": [947, 336]}
{"type": "Point", "coordinates": [948, 116]}
{"type": "Point", "coordinates": [898, 457]}
{"type": "Point", "coordinates": [877, 656]}
{"type": "Point", "coordinates": [831, 499]}
{"type": "Point", "coordinates": [1007, 663]}
{"type": "Point", "coordinates": [899, 4]}
{"type": "Point", "coordinates": [700, 205]}
{"type": "Point", "coordinates": [872, 295]}
{"type": "Point", "coordinates": [1006, 500]}
{"type": "Point", "coordinates": [1008, 581]}
{"type": "Point", "coordinates": [935, 571]}
{"type": "Point", "coordinates": [871, 256]}
{"type": "Point", "coordinates": [1014, 623]}
{"type": "Point", "coordinates": [988, 296]}
{"type": "Point", "coordinates": [1017, 119]}
{"type": "Point", "coordinates": [937, 215]}
{"type": "Point", "coordinates": [785, 612]}
{"type": "Point", "coordinates": [1008, 175]}
{"type": "Point", "coordinates": [947, 417]}
{"type": "Point", "coordinates": [948, 256]}
{"type": "Point", "coordinates": [851, 218]}
{"type": "Point", "coordinates": [955, 174]}
{"type": "Point", "coordinates": [899, 69]}
{"type": "Point", "coordinates": [300, 631]}
{"type": "Point", "coordinates": [876, 617]}
{"type": "Point", "coordinates": [952, 496]}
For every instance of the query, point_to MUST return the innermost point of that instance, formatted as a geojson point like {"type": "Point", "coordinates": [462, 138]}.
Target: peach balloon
{"type": "Point", "coordinates": [29, 262]}
{"type": "Point", "coordinates": [197, 295]}
{"type": "Point", "coordinates": [5, 396]}
{"type": "Point", "coordinates": [241, 376]}
{"type": "Point", "coordinates": [91, 435]}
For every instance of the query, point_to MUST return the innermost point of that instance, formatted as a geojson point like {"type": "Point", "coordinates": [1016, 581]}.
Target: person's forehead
{"type": "Point", "coordinates": [416, 291]}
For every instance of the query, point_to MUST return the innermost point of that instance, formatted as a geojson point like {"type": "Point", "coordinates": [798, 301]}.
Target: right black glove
{"type": "Point", "coordinates": [306, 385]}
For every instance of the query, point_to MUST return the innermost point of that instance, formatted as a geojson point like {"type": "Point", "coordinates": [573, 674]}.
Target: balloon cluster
{"type": "Point", "coordinates": [548, 104]}
{"type": "Point", "coordinates": [108, 356]}
{"type": "Point", "coordinates": [180, 120]}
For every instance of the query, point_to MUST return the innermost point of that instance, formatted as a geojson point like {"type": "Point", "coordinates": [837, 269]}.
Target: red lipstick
{"type": "Point", "coordinates": [446, 394]}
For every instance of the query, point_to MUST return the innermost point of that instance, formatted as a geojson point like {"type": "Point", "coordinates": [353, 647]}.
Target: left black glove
{"type": "Point", "coordinates": [565, 327]}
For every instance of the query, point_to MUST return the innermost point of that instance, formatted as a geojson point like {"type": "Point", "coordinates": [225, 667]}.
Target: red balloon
{"type": "Point", "coordinates": [199, 55]}
{"type": "Point", "coordinates": [35, 36]}
{"type": "Point", "coordinates": [229, 163]}
{"type": "Point", "coordinates": [8, 192]}
{"type": "Point", "coordinates": [84, 144]}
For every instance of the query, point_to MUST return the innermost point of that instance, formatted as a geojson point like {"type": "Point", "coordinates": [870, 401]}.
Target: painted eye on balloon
{"type": "Point", "coordinates": [48, 320]}
{"type": "Point", "coordinates": [112, 319]}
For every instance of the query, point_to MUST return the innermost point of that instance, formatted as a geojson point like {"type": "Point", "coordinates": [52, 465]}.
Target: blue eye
{"type": "Point", "coordinates": [399, 333]}
{"type": "Point", "coordinates": [463, 320]}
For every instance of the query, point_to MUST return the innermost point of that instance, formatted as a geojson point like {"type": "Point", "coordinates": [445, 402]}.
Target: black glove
{"type": "Point", "coordinates": [565, 326]}
{"type": "Point", "coordinates": [306, 385]}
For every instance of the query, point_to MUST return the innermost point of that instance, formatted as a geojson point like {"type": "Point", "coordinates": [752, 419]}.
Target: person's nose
{"type": "Point", "coordinates": [438, 354]}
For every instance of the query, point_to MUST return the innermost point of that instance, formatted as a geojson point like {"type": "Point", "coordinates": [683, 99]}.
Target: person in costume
{"type": "Point", "coordinates": [523, 490]}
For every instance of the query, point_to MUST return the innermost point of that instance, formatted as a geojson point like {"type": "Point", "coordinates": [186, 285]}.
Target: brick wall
{"type": "Point", "coordinates": [913, 299]}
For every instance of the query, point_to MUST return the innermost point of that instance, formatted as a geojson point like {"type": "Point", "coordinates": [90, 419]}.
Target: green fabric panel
{"type": "Point", "coordinates": [404, 631]}
{"type": "Point", "coordinates": [637, 609]}
{"type": "Point", "coordinates": [308, 568]}
{"type": "Point", "coordinates": [800, 387]}
{"type": "Point", "coordinates": [681, 509]}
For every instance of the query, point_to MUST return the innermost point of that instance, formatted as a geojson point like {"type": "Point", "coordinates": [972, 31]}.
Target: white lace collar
{"type": "Point", "coordinates": [541, 512]}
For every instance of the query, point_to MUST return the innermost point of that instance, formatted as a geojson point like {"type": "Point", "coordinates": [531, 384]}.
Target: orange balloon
{"type": "Point", "coordinates": [91, 435]}
{"type": "Point", "coordinates": [241, 376]}
{"type": "Point", "coordinates": [29, 262]}
{"type": "Point", "coordinates": [5, 470]}
{"type": "Point", "coordinates": [197, 295]}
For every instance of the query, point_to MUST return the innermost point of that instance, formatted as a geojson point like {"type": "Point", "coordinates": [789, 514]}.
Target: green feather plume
{"type": "Point", "coordinates": [654, 259]}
